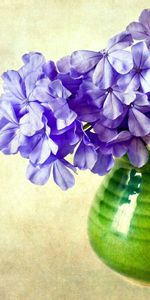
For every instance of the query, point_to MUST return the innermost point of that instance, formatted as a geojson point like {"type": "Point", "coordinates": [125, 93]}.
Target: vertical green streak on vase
{"type": "Point", "coordinates": [119, 221]}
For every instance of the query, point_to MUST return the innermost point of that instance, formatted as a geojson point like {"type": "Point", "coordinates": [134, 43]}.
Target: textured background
{"type": "Point", "coordinates": [44, 249]}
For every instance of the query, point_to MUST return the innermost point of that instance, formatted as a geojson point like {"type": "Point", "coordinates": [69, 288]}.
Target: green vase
{"type": "Point", "coordinates": [119, 221]}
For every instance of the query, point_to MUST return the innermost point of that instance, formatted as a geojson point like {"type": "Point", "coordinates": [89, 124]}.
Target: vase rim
{"type": "Point", "coordinates": [125, 163]}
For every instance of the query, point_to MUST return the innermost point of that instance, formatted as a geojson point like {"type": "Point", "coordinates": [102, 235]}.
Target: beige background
{"type": "Point", "coordinates": [44, 249]}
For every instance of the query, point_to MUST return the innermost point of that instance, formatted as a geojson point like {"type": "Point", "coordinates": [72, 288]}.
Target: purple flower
{"type": "Point", "coordinates": [112, 101]}
{"type": "Point", "coordinates": [141, 30]}
{"type": "Point", "coordinates": [125, 143]}
{"type": "Point", "coordinates": [105, 61]}
{"type": "Point", "coordinates": [36, 120]}
{"type": "Point", "coordinates": [18, 88]}
{"type": "Point", "coordinates": [85, 156]}
{"type": "Point", "coordinates": [104, 133]}
{"type": "Point", "coordinates": [59, 168]}
{"type": "Point", "coordinates": [119, 144]}
{"type": "Point", "coordinates": [84, 103]}
{"type": "Point", "coordinates": [137, 152]}
{"type": "Point", "coordinates": [139, 76]}
{"type": "Point", "coordinates": [138, 122]}
{"type": "Point", "coordinates": [104, 163]}
{"type": "Point", "coordinates": [53, 95]}
{"type": "Point", "coordinates": [64, 72]}
{"type": "Point", "coordinates": [43, 147]}
{"type": "Point", "coordinates": [18, 85]}
{"type": "Point", "coordinates": [11, 130]}
{"type": "Point", "coordinates": [93, 105]}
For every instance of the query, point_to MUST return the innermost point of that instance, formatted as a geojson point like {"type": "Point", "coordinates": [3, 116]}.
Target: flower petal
{"type": "Point", "coordinates": [119, 41]}
{"type": "Point", "coordinates": [84, 60]}
{"type": "Point", "coordinates": [119, 143]}
{"type": "Point", "coordinates": [64, 122]}
{"type": "Point", "coordinates": [41, 91]}
{"type": "Point", "coordinates": [139, 124]}
{"type": "Point", "coordinates": [59, 89]}
{"type": "Point", "coordinates": [145, 18]}
{"type": "Point", "coordinates": [121, 61]}
{"type": "Point", "coordinates": [62, 176]}
{"type": "Point", "coordinates": [30, 82]}
{"type": "Point", "coordinates": [137, 30]}
{"type": "Point", "coordinates": [129, 82]}
{"type": "Point", "coordinates": [49, 69]}
{"type": "Point", "coordinates": [63, 64]}
{"type": "Point", "coordinates": [42, 150]}
{"type": "Point", "coordinates": [38, 174]}
{"type": "Point", "coordinates": [105, 134]}
{"type": "Point", "coordinates": [141, 100]}
{"type": "Point", "coordinates": [140, 54]}
{"type": "Point", "coordinates": [30, 123]}
{"type": "Point", "coordinates": [125, 97]}
{"type": "Point", "coordinates": [13, 84]}
{"type": "Point", "coordinates": [33, 62]}
{"type": "Point", "coordinates": [103, 164]}
{"type": "Point", "coordinates": [8, 112]}
{"type": "Point", "coordinates": [103, 74]}
{"type": "Point", "coordinates": [70, 83]}
{"type": "Point", "coordinates": [137, 153]}
{"type": "Point", "coordinates": [145, 80]}
{"type": "Point", "coordinates": [85, 157]}
{"type": "Point", "coordinates": [112, 107]}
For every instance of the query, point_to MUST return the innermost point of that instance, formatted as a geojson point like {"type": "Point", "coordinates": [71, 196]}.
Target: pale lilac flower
{"type": "Point", "coordinates": [59, 168]}
{"type": "Point", "coordinates": [139, 76]}
{"type": "Point", "coordinates": [141, 30]}
{"type": "Point", "coordinates": [105, 61]}
{"type": "Point", "coordinates": [93, 105]}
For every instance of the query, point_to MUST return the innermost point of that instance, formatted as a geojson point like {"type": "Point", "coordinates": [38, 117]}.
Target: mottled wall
{"type": "Point", "coordinates": [44, 249]}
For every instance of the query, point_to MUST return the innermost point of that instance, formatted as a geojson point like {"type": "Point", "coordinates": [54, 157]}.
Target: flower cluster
{"type": "Point", "coordinates": [94, 105]}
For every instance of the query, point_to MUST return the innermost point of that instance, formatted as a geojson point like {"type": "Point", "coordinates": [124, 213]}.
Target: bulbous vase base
{"type": "Point", "coordinates": [119, 222]}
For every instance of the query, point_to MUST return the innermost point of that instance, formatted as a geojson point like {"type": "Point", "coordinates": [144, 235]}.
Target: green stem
{"type": "Point", "coordinates": [87, 126]}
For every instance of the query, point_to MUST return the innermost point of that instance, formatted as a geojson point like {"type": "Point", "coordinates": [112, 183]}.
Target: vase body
{"type": "Point", "coordinates": [119, 221]}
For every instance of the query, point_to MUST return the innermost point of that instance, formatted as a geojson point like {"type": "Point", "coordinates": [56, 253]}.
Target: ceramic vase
{"type": "Point", "coordinates": [119, 221]}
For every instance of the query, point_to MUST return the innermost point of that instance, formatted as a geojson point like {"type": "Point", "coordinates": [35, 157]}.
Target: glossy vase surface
{"type": "Point", "coordinates": [119, 221]}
